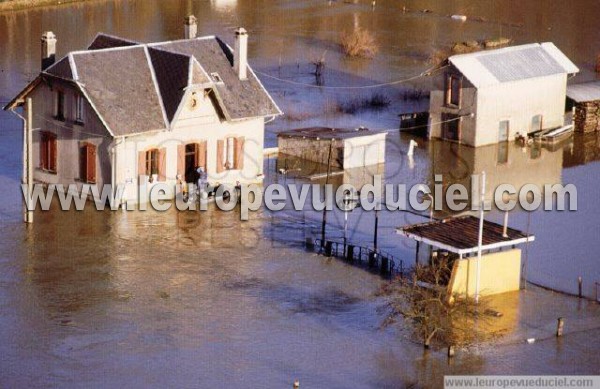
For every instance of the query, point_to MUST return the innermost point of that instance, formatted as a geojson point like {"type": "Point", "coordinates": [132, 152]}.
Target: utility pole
{"type": "Point", "coordinates": [27, 160]}
{"type": "Point", "coordinates": [325, 207]}
{"type": "Point", "coordinates": [376, 228]}
{"type": "Point", "coordinates": [480, 240]}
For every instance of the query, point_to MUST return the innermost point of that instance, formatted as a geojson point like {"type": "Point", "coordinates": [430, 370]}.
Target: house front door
{"type": "Point", "coordinates": [451, 126]}
{"type": "Point", "coordinates": [195, 157]}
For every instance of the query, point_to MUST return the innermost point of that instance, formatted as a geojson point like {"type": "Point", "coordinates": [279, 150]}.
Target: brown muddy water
{"type": "Point", "coordinates": [145, 299]}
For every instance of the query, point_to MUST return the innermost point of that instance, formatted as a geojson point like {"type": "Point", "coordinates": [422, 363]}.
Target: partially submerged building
{"type": "Point", "coordinates": [585, 101]}
{"type": "Point", "coordinates": [123, 112]}
{"type": "Point", "coordinates": [342, 148]}
{"type": "Point", "coordinates": [458, 237]}
{"type": "Point", "coordinates": [493, 96]}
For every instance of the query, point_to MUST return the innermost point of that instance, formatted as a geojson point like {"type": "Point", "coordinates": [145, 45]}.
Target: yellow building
{"type": "Point", "coordinates": [498, 270]}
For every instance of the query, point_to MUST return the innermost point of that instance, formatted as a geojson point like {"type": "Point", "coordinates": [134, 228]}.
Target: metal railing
{"type": "Point", "coordinates": [380, 260]}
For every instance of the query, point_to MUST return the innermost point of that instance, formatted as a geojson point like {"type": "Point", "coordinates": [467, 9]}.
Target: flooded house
{"type": "Point", "coordinates": [123, 112]}
{"type": "Point", "coordinates": [494, 96]}
{"type": "Point", "coordinates": [342, 148]}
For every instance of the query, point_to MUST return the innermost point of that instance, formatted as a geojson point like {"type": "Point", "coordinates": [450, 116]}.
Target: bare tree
{"type": "Point", "coordinates": [431, 312]}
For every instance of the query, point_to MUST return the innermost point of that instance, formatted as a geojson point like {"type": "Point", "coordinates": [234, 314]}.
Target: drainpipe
{"type": "Point", "coordinates": [27, 177]}
{"type": "Point", "coordinates": [113, 165]}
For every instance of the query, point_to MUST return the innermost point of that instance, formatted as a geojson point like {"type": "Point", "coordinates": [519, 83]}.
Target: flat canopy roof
{"type": "Point", "coordinates": [329, 133]}
{"type": "Point", "coordinates": [581, 93]}
{"type": "Point", "coordinates": [460, 235]}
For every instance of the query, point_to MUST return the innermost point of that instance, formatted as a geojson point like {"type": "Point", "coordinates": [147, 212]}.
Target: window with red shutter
{"type": "Point", "coordinates": [87, 158]}
{"type": "Point", "coordinates": [48, 152]}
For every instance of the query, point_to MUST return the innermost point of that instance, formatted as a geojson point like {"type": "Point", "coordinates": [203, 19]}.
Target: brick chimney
{"type": "Point", "coordinates": [48, 49]}
{"type": "Point", "coordinates": [191, 27]}
{"type": "Point", "coordinates": [240, 56]}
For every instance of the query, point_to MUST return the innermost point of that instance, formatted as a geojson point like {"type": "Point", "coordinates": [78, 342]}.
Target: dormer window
{"type": "Point", "coordinates": [453, 90]}
{"type": "Point", "coordinates": [59, 105]}
{"type": "Point", "coordinates": [216, 78]}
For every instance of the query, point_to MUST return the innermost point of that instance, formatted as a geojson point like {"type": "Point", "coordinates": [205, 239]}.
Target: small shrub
{"type": "Point", "coordinates": [359, 43]}
{"type": "Point", "coordinates": [375, 101]}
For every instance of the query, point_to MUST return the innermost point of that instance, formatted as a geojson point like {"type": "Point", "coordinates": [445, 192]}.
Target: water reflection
{"type": "Point", "coordinates": [583, 149]}
{"type": "Point", "coordinates": [202, 299]}
{"type": "Point", "coordinates": [507, 163]}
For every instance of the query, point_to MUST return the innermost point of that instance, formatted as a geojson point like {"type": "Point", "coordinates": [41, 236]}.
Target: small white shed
{"type": "Point", "coordinates": [350, 147]}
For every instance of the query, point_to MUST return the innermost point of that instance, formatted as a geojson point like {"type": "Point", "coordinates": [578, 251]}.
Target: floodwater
{"type": "Point", "coordinates": [144, 299]}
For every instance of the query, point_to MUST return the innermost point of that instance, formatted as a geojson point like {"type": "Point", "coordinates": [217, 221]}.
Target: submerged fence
{"type": "Point", "coordinates": [376, 260]}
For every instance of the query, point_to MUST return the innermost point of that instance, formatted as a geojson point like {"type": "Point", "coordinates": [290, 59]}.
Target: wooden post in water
{"type": "Point", "coordinates": [580, 286]}
{"type": "Point", "coordinates": [451, 351]}
{"type": "Point", "coordinates": [560, 326]}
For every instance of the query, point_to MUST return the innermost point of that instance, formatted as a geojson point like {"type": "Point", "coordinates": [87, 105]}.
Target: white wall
{"type": "Point", "coordinates": [69, 136]}
{"type": "Point", "coordinates": [364, 151]}
{"type": "Point", "coordinates": [518, 102]}
{"type": "Point", "coordinates": [197, 124]}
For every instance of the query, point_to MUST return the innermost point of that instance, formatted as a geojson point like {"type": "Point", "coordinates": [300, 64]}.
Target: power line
{"type": "Point", "coordinates": [404, 128]}
{"type": "Point", "coordinates": [426, 73]}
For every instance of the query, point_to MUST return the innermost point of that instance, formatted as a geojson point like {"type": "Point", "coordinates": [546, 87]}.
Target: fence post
{"type": "Point", "coordinates": [310, 244]}
{"type": "Point", "coordinates": [350, 253]}
{"type": "Point", "coordinates": [328, 248]}
{"type": "Point", "coordinates": [372, 259]}
{"type": "Point", "coordinates": [385, 264]}
{"type": "Point", "coordinates": [560, 326]}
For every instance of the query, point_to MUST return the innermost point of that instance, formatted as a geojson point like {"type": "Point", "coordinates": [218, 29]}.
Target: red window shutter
{"type": "Point", "coordinates": [239, 153]}
{"type": "Point", "coordinates": [162, 164]}
{"type": "Point", "coordinates": [53, 154]}
{"type": "Point", "coordinates": [220, 162]}
{"type": "Point", "coordinates": [142, 163]}
{"type": "Point", "coordinates": [181, 160]}
{"type": "Point", "coordinates": [44, 151]}
{"type": "Point", "coordinates": [201, 155]}
{"type": "Point", "coordinates": [90, 163]}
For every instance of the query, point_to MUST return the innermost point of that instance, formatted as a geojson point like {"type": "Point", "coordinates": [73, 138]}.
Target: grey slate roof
{"type": "Point", "coordinates": [491, 67]}
{"type": "Point", "coordinates": [61, 69]}
{"type": "Point", "coordinates": [172, 74]}
{"type": "Point", "coordinates": [241, 99]}
{"type": "Point", "coordinates": [582, 93]}
{"type": "Point", "coordinates": [137, 88]}
{"type": "Point", "coordinates": [105, 41]}
{"type": "Point", "coordinates": [121, 87]}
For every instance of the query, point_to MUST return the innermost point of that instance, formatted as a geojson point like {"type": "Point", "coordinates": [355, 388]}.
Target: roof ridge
{"type": "Point", "coordinates": [156, 86]}
{"type": "Point", "coordinates": [101, 33]}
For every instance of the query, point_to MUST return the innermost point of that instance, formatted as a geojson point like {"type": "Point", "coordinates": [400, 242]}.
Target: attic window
{"type": "Point", "coordinates": [216, 78]}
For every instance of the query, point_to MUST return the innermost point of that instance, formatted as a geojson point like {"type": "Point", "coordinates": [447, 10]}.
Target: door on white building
{"type": "Point", "coordinates": [536, 123]}
{"type": "Point", "coordinates": [503, 131]}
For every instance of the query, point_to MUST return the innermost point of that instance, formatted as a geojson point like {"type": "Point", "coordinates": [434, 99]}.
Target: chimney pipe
{"type": "Point", "coordinates": [191, 27]}
{"type": "Point", "coordinates": [48, 49]}
{"type": "Point", "coordinates": [240, 56]}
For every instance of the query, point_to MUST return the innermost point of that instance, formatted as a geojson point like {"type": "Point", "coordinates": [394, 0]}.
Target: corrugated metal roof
{"type": "Point", "coordinates": [461, 234]}
{"type": "Point", "coordinates": [486, 68]}
{"type": "Point", "coordinates": [581, 93]}
{"type": "Point", "coordinates": [328, 133]}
